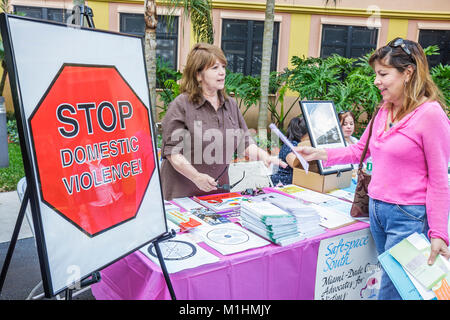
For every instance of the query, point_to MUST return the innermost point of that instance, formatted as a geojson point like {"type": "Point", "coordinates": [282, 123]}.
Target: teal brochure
{"type": "Point", "coordinates": [399, 278]}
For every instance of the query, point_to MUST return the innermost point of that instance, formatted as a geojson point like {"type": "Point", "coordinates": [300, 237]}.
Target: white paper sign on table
{"type": "Point", "coordinates": [180, 253]}
{"type": "Point", "coordinates": [348, 268]}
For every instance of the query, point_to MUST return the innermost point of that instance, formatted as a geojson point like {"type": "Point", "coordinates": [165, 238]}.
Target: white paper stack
{"type": "Point", "coordinates": [306, 215]}
{"type": "Point", "coordinates": [270, 222]}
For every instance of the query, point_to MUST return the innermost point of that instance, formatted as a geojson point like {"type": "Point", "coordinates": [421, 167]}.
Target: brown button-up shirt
{"type": "Point", "coordinates": [207, 138]}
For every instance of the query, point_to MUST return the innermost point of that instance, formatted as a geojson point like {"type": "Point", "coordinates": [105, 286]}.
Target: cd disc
{"type": "Point", "coordinates": [227, 236]}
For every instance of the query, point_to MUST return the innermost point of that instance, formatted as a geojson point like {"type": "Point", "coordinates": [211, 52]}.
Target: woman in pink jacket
{"type": "Point", "coordinates": [410, 150]}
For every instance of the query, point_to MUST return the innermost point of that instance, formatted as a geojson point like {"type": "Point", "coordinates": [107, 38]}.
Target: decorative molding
{"type": "Point", "coordinates": [292, 8]}
{"type": "Point", "coordinates": [433, 26]}
{"type": "Point", "coordinates": [344, 21]}
{"type": "Point", "coordinates": [232, 14]}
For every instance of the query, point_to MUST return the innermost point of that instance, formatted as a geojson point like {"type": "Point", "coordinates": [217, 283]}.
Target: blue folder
{"type": "Point", "coordinates": [398, 276]}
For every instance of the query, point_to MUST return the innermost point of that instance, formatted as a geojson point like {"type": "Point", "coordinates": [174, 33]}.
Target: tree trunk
{"type": "Point", "coordinates": [151, 20]}
{"type": "Point", "coordinates": [265, 69]}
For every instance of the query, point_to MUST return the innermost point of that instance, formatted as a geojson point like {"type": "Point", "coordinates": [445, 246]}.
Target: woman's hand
{"type": "Point", "coordinates": [310, 153]}
{"type": "Point", "coordinates": [205, 182]}
{"type": "Point", "coordinates": [438, 246]}
{"type": "Point", "coordinates": [255, 153]}
{"type": "Point", "coordinates": [268, 160]}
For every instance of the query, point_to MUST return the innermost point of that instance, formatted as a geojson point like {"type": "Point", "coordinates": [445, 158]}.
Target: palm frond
{"type": "Point", "coordinates": [200, 14]}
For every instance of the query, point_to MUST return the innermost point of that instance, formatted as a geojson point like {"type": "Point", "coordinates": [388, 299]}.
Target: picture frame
{"type": "Point", "coordinates": [324, 130]}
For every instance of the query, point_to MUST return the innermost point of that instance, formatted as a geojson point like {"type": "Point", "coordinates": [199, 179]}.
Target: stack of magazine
{"type": "Point", "coordinates": [306, 215]}
{"type": "Point", "coordinates": [223, 202]}
{"type": "Point", "coordinates": [270, 222]}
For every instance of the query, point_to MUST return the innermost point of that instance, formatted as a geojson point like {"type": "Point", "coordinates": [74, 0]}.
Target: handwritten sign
{"type": "Point", "coordinates": [348, 268]}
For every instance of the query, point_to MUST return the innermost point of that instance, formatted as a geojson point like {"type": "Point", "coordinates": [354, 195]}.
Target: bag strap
{"type": "Point", "coordinates": [368, 139]}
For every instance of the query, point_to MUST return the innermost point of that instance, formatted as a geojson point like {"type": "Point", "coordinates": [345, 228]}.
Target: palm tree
{"type": "Point", "coordinates": [6, 8]}
{"type": "Point", "coordinates": [265, 68]}
{"type": "Point", "coordinates": [265, 65]}
{"type": "Point", "coordinates": [200, 14]}
{"type": "Point", "coordinates": [151, 21]}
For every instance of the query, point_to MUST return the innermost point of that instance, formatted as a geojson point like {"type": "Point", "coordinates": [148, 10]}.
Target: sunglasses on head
{"type": "Point", "coordinates": [342, 112]}
{"type": "Point", "coordinates": [399, 42]}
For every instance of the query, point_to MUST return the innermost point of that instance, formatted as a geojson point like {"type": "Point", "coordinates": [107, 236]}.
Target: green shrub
{"type": "Point", "coordinates": [13, 135]}
{"type": "Point", "coordinates": [441, 76]}
{"type": "Point", "coordinates": [10, 176]}
{"type": "Point", "coordinates": [349, 83]}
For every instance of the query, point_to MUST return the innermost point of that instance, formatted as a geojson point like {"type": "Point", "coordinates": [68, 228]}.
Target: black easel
{"type": "Point", "coordinates": [95, 277]}
{"type": "Point", "coordinates": [29, 197]}
{"type": "Point", "coordinates": [164, 237]}
{"type": "Point", "coordinates": [82, 12]}
{"type": "Point", "coordinates": [14, 237]}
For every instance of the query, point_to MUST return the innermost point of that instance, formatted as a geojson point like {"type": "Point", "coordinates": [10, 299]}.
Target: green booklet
{"type": "Point", "coordinates": [412, 253]}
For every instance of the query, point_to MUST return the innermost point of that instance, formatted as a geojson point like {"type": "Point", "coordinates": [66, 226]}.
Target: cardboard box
{"type": "Point", "coordinates": [317, 182]}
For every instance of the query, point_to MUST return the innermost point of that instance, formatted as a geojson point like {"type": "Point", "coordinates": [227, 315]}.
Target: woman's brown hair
{"type": "Point", "coordinates": [400, 54]}
{"type": "Point", "coordinates": [201, 57]}
{"type": "Point", "coordinates": [344, 114]}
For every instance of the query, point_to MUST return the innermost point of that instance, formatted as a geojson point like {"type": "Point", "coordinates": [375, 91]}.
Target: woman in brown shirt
{"type": "Point", "coordinates": [203, 128]}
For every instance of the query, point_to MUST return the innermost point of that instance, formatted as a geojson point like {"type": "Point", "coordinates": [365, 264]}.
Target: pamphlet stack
{"type": "Point", "coordinates": [270, 222]}
{"type": "Point", "coordinates": [306, 215]}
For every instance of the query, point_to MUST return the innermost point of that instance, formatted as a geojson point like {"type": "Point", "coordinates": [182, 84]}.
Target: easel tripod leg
{"type": "Point", "coordinates": [14, 237]}
{"type": "Point", "coordinates": [164, 270]}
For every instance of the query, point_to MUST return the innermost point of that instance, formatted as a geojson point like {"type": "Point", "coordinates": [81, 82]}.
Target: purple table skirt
{"type": "Point", "coordinates": [268, 273]}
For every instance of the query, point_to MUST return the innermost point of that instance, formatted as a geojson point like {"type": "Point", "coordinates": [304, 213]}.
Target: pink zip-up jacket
{"type": "Point", "coordinates": [410, 162]}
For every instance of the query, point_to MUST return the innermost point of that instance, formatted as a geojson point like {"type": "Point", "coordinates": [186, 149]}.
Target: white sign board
{"type": "Point", "coordinates": [348, 268]}
{"type": "Point", "coordinates": [90, 159]}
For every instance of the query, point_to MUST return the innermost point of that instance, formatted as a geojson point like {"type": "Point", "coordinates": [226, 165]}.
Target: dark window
{"type": "Point", "coordinates": [166, 36]}
{"type": "Point", "coordinates": [242, 44]}
{"type": "Point", "coordinates": [58, 15]}
{"type": "Point", "coordinates": [347, 41]}
{"type": "Point", "coordinates": [441, 38]}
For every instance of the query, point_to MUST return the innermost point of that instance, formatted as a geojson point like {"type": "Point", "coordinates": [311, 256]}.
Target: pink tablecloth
{"type": "Point", "coordinates": [268, 273]}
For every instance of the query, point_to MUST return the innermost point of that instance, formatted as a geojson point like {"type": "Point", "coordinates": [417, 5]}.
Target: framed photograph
{"type": "Point", "coordinates": [324, 130]}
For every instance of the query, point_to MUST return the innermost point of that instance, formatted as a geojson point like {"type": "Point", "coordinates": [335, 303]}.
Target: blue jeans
{"type": "Point", "coordinates": [390, 224]}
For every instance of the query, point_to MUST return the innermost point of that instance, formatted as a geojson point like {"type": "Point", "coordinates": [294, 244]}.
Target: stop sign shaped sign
{"type": "Point", "coordinates": [93, 147]}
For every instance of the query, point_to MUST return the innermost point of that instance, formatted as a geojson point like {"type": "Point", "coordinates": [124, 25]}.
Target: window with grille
{"type": "Point", "coordinates": [52, 14]}
{"type": "Point", "coordinates": [441, 38]}
{"type": "Point", "coordinates": [347, 41]}
{"type": "Point", "coordinates": [242, 44]}
{"type": "Point", "coordinates": [166, 35]}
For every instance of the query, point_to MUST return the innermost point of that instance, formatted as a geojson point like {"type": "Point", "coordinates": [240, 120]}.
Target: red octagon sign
{"type": "Point", "coordinates": [93, 147]}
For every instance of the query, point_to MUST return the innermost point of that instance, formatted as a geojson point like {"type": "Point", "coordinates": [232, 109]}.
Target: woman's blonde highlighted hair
{"type": "Point", "coordinates": [400, 54]}
{"type": "Point", "coordinates": [201, 57]}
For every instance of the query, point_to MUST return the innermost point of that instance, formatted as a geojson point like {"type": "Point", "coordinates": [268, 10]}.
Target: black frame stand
{"type": "Point", "coordinates": [14, 237]}
{"type": "Point", "coordinates": [81, 12]}
{"type": "Point", "coordinates": [164, 237]}
{"type": "Point", "coordinates": [95, 277]}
